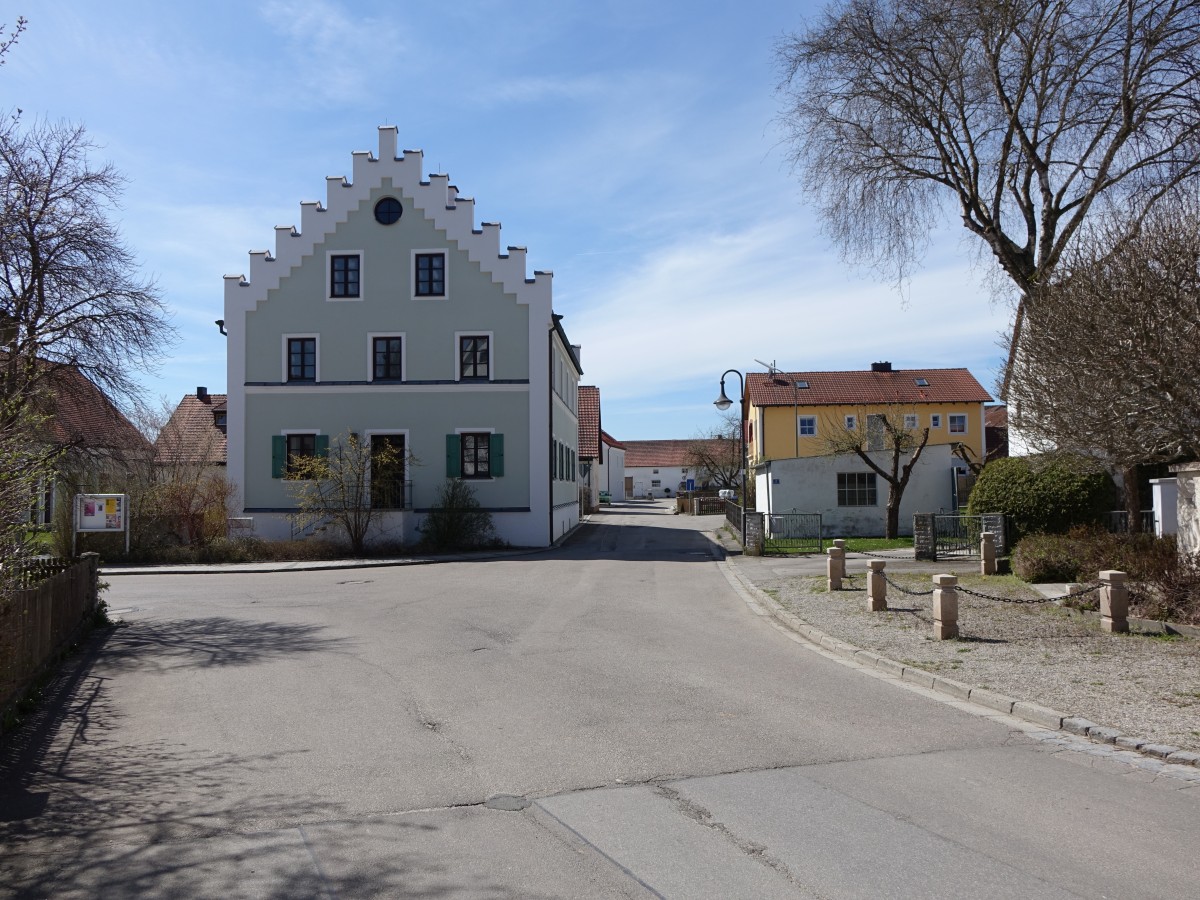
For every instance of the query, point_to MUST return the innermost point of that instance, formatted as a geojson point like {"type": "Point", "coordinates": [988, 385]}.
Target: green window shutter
{"type": "Point", "coordinates": [321, 445]}
{"type": "Point", "coordinates": [453, 456]}
{"type": "Point", "coordinates": [496, 454]}
{"type": "Point", "coordinates": [278, 455]}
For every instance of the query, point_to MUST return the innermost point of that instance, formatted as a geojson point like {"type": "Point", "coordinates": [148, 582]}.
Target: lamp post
{"type": "Point", "coordinates": [723, 403]}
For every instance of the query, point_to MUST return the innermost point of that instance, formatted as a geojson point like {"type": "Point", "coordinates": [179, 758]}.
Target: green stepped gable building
{"type": "Point", "coordinates": [391, 316]}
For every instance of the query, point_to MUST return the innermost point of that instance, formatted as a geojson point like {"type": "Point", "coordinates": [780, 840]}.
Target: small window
{"type": "Point", "coordinates": [656, 471]}
{"type": "Point", "coordinates": [910, 421]}
{"type": "Point", "coordinates": [958, 423]}
{"type": "Point", "coordinates": [655, 482]}
{"type": "Point", "coordinates": [474, 356]}
{"type": "Point", "coordinates": [808, 426]}
{"type": "Point", "coordinates": [935, 421]}
{"type": "Point", "coordinates": [298, 446]}
{"type": "Point", "coordinates": [302, 359]}
{"type": "Point", "coordinates": [388, 211]}
{"type": "Point", "coordinates": [856, 489]}
{"type": "Point", "coordinates": [851, 423]}
{"type": "Point", "coordinates": [388, 358]}
{"type": "Point", "coordinates": [430, 275]}
{"type": "Point", "coordinates": [921, 382]}
{"type": "Point", "coordinates": [801, 385]}
{"type": "Point", "coordinates": [476, 460]}
{"type": "Point", "coordinates": [344, 276]}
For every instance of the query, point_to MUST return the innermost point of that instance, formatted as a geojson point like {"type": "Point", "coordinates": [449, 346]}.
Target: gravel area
{"type": "Point", "coordinates": [1146, 686]}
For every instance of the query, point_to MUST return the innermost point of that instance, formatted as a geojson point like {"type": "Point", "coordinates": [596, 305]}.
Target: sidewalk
{"type": "Point", "coordinates": [313, 565]}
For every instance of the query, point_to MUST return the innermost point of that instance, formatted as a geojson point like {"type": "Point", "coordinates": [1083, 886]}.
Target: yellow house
{"type": "Point", "coordinates": [801, 414]}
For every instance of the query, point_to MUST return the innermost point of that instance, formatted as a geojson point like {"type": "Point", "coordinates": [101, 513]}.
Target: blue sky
{"type": "Point", "coordinates": [631, 146]}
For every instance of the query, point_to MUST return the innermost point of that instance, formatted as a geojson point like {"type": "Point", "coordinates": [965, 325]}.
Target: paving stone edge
{"type": "Point", "coordinates": [1031, 712]}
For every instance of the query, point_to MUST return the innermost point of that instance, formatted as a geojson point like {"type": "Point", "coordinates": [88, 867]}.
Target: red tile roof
{"type": "Point", "coordinates": [589, 421]}
{"type": "Point", "coordinates": [995, 416]}
{"type": "Point", "coordinates": [610, 441]}
{"type": "Point", "coordinates": [639, 454]}
{"type": "Point", "coordinates": [864, 387]}
{"type": "Point", "coordinates": [191, 437]}
{"type": "Point", "coordinates": [82, 414]}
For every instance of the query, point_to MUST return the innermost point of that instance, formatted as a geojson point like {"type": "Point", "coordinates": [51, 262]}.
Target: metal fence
{"type": "Point", "coordinates": [793, 532]}
{"type": "Point", "coordinates": [1117, 521]}
{"type": "Point", "coordinates": [39, 620]}
{"type": "Point", "coordinates": [958, 536]}
{"type": "Point", "coordinates": [733, 515]}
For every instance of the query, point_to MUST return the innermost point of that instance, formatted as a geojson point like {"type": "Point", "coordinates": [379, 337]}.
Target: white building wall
{"type": "Point", "coordinates": [612, 473]}
{"type": "Point", "coordinates": [810, 485]}
{"type": "Point", "coordinates": [1187, 481]}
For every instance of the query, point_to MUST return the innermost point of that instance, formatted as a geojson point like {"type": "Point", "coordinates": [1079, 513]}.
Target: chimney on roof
{"type": "Point", "coordinates": [881, 367]}
{"type": "Point", "coordinates": [202, 394]}
{"type": "Point", "coordinates": [577, 349]}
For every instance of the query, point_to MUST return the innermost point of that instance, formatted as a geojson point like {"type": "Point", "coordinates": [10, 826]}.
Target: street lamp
{"type": "Point", "coordinates": [723, 403]}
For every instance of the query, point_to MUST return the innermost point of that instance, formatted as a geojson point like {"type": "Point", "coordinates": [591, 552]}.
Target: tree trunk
{"type": "Point", "coordinates": [1133, 499]}
{"type": "Point", "coordinates": [892, 526]}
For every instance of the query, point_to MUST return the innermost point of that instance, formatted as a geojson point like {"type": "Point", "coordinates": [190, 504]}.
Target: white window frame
{"type": "Point", "coordinates": [458, 376]}
{"type": "Point", "coordinates": [950, 423]}
{"type": "Point", "coordinates": [800, 423]}
{"type": "Point", "coordinates": [935, 421]}
{"type": "Point", "coordinates": [851, 423]}
{"type": "Point", "coordinates": [284, 352]}
{"type": "Point", "coordinates": [911, 421]}
{"type": "Point", "coordinates": [371, 357]}
{"type": "Point", "coordinates": [362, 271]}
{"type": "Point", "coordinates": [412, 275]}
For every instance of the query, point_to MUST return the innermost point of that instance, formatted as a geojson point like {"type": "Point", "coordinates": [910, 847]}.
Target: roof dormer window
{"type": "Point", "coordinates": [922, 382]}
{"type": "Point", "coordinates": [801, 384]}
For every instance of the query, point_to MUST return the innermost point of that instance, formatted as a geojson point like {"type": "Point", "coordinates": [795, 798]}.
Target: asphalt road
{"type": "Point", "coordinates": [610, 719]}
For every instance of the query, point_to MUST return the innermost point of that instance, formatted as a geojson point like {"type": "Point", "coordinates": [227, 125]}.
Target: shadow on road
{"type": "Point", "coordinates": [215, 641]}
{"type": "Point", "coordinates": [85, 812]}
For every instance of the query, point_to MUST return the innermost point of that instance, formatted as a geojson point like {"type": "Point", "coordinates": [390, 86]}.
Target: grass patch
{"type": "Point", "coordinates": [867, 545]}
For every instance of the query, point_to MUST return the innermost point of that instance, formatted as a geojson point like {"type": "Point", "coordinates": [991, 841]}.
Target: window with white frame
{"type": "Point", "coordinates": [387, 357]}
{"type": "Point", "coordinates": [957, 423]}
{"type": "Point", "coordinates": [851, 423]}
{"type": "Point", "coordinates": [345, 276]}
{"type": "Point", "coordinates": [935, 421]}
{"type": "Point", "coordinates": [429, 274]}
{"type": "Point", "coordinates": [807, 426]}
{"type": "Point", "coordinates": [910, 421]}
{"type": "Point", "coordinates": [474, 356]}
{"type": "Point", "coordinates": [300, 362]}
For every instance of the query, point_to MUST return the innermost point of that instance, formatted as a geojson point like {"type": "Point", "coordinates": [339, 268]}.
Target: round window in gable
{"type": "Point", "coordinates": [388, 211]}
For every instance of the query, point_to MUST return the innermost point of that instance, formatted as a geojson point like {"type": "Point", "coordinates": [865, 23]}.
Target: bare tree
{"type": "Point", "coordinates": [1016, 115]}
{"type": "Point", "coordinates": [886, 433]}
{"type": "Point", "coordinates": [718, 452]}
{"type": "Point", "coordinates": [1107, 361]}
{"type": "Point", "coordinates": [350, 486]}
{"type": "Point", "coordinates": [70, 295]}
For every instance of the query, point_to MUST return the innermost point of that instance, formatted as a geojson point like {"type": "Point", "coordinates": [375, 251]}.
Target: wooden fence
{"type": "Point", "coordinates": [41, 618]}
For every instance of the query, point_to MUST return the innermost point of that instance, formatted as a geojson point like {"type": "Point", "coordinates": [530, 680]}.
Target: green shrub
{"type": "Point", "coordinates": [1051, 493]}
{"type": "Point", "coordinates": [1042, 558]}
{"type": "Point", "coordinates": [457, 521]}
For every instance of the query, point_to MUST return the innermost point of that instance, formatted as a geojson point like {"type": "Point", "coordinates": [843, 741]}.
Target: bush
{"type": "Point", "coordinates": [456, 521]}
{"type": "Point", "coordinates": [1048, 558]}
{"type": "Point", "coordinates": [1051, 493]}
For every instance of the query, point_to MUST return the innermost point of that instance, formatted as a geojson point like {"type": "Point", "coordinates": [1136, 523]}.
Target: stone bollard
{"type": "Point", "coordinates": [841, 545]}
{"type": "Point", "coordinates": [945, 607]}
{"type": "Point", "coordinates": [876, 586]}
{"type": "Point", "coordinates": [987, 553]}
{"type": "Point", "coordinates": [1114, 601]}
{"type": "Point", "coordinates": [835, 567]}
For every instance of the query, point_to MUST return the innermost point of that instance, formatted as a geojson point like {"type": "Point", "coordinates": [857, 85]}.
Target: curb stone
{"type": "Point", "coordinates": [1031, 712]}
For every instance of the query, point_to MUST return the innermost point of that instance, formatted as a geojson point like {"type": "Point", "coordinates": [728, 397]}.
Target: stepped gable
{"type": "Point", "coordinates": [435, 198]}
